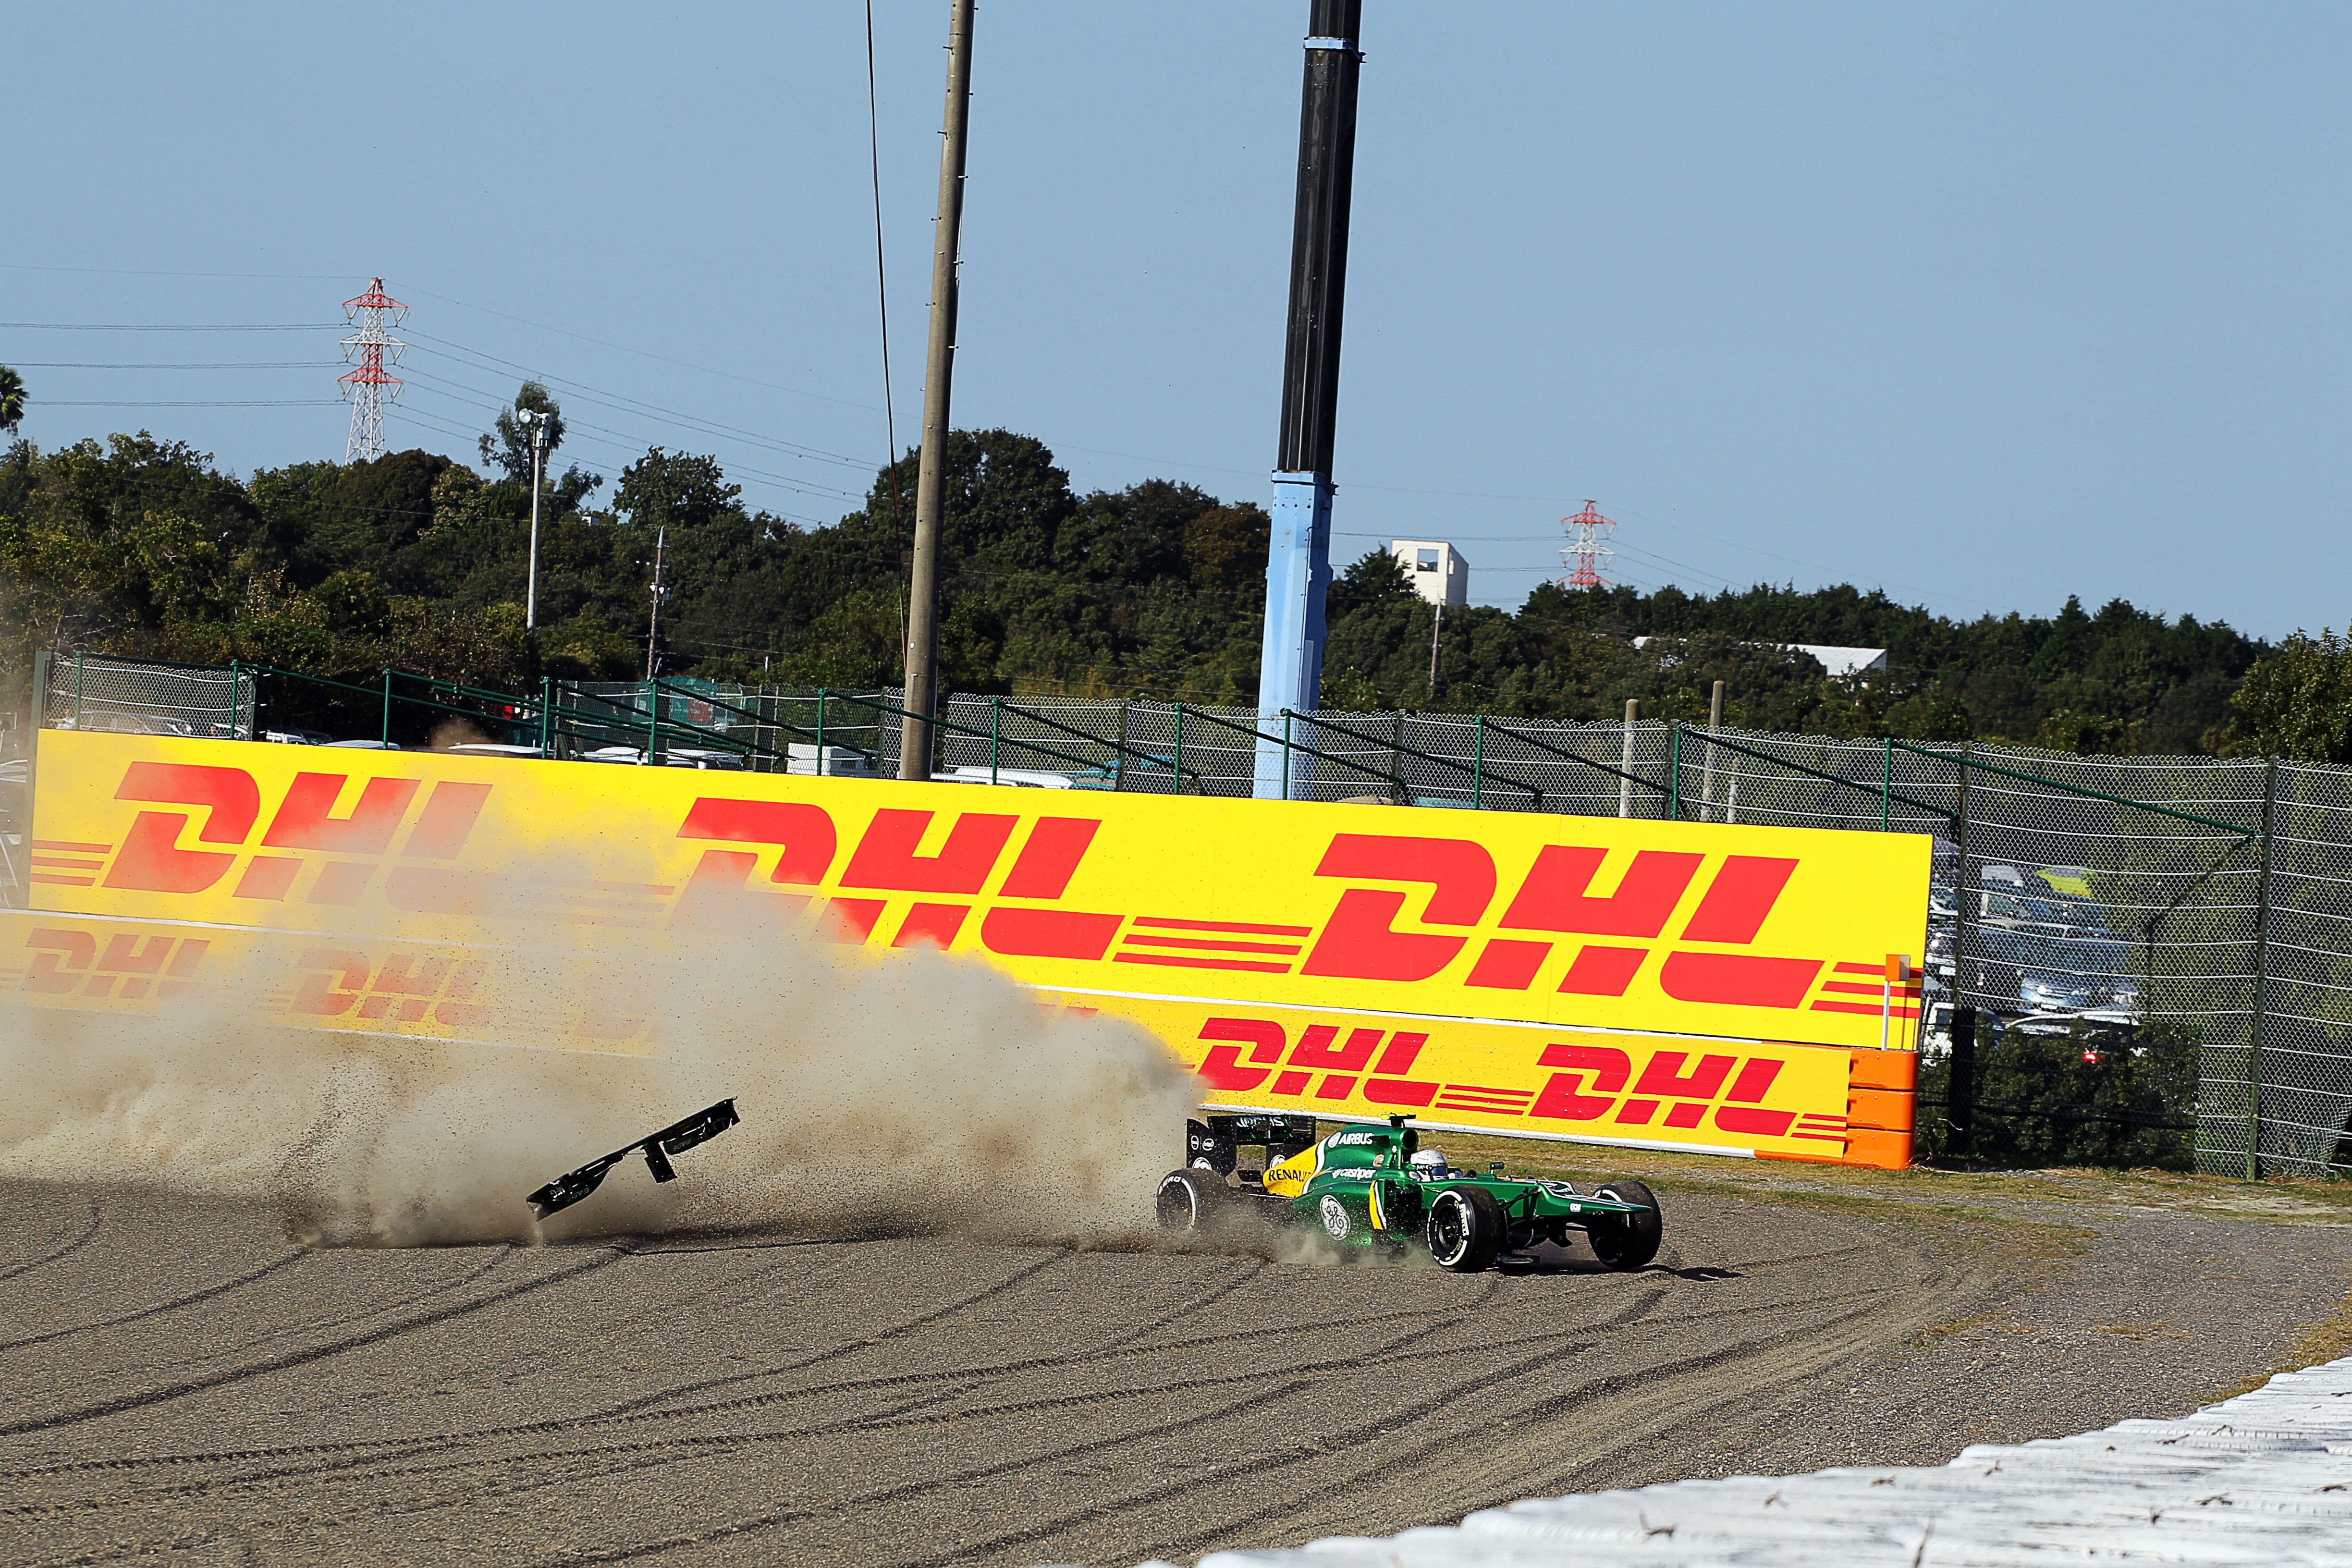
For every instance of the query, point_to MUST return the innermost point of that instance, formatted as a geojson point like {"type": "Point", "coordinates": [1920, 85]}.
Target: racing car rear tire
{"type": "Point", "coordinates": [1464, 1230]}
{"type": "Point", "coordinates": [1625, 1240]}
{"type": "Point", "coordinates": [1191, 1200]}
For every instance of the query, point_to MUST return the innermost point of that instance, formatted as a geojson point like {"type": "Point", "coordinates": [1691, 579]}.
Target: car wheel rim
{"type": "Point", "coordinates": [1446, 1229]}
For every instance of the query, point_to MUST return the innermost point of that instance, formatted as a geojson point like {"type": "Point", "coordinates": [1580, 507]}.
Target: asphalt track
{"type": "Point", "coordinates": [182, 1383]}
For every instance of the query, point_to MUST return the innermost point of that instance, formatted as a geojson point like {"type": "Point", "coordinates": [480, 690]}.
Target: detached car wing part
{"type": "Point", "coordinates": [658, 1147]}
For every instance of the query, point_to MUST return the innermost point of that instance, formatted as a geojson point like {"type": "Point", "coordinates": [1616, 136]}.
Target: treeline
{"type": "Point", "coordinates": [142, 547]}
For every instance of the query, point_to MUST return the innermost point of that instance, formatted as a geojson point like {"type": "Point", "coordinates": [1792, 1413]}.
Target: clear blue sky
{"type": "Point", "coordinates": [1983, 304]}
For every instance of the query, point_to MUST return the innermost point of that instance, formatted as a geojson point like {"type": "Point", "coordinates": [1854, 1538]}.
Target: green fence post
{"type": "Point", "coordinates": [653, 725]}
{"type": "Point", "coordinates": [77, 690]}
{"type": "Point", "coordinates": [386, 736]}
{"type": "Point", "coordinates": [1674, 784]}
{"type": "Point", "coordinates": [818, 766]}
{"type": "Point", "coordinates": [1286, 753]}
{"type": "Point", "coordinates": [235, 691]}
{"type": "Point", "coordinates": [1118, 762]}
{"type": "Point", "coordinates": [2262, 980]}
{"type": "Point", "coordinates": [1886, 791]}
{"type": "Point", "coordinates": [1176, 783]}
{"type": "Point", "coordinates": [995, 734]}
{"type": "Point", "coordinates": [546, 715]}
{"type": "Point", "coordinates": [1963, 1091]}
{"type": "Point", "coordinates": [1478, 764]}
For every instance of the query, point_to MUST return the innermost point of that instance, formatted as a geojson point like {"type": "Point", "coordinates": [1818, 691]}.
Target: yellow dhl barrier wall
{"type": "Point", "coordinates": [1143, 905]}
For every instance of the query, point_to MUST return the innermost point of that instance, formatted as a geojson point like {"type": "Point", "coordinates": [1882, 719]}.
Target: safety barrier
{"type": "Point", "coordinates": [2189, 999]}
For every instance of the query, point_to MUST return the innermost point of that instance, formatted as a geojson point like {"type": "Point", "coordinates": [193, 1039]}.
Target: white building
{"type": "Point", "coordinates": [1438, 571]}
{"type": "Point", "coordinates": [1840, 662]}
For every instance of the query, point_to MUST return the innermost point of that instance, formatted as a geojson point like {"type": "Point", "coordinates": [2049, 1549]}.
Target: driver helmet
{"type": "Point", "coordinates": [1428, 1160]}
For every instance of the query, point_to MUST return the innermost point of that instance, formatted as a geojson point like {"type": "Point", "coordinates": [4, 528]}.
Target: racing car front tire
{"type": "Point", "coordinates": [1191, 1199]}
{"type": "Point", "coordinates": [1626, 1240]}
{"type": "Point", "coordinates": [1464, 1230]}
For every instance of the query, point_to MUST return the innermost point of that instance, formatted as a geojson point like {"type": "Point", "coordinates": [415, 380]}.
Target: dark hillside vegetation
{"type": "Point", "coordinates": [139, 546]}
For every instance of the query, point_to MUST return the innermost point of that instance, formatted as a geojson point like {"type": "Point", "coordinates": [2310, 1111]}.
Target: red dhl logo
{"type": "Point", "coordinates": [131, 967]}
{"type": "Point", "coordinates": [1611, 938]}
{"type": "Point", "coordinates": [406, 989]}
{"type": "Point", "coordinates": [1672, 1092]}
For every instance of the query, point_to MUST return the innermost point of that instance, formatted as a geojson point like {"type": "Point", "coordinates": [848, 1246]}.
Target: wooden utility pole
{"type": "Point", "coordinates": [923, 598]}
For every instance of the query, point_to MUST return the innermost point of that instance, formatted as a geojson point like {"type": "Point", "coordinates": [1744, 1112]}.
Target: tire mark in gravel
{"type": "Point", "coordinates": [911, 1326]}
{"type": "Point", "coordinates": [625, 1457]}
{"type": "Point", "coordinates": [263, 1483]}
{"type": "Point", "coordinates": [181, 1390]}
{"type": "Point", "coordinates": [1420, 1406]}
{"type": "Point", "coordinates": [190, 1299]}
{"type": "Point", "coordinates": [982, 1372]}
{"type": "Point", "coordinates": [1206, 1297]}
{"type": "Point", "coordinates": [1395, 1457]}
{"type": "Point", "coordinates": [1661, 1387]}
{"type": "Point", "coordinates": [631, 1411]}
{"type": "Point", "coordinates": [76, 1245]}
{"type": "Point", "coordinates": [498, 1257]}
{"type": "Point", "coordinates": [1451, 1314]}
{"type": "Point", "coordinates": [755, 1523]}
{"type": "Point", "coordinates": [1632, 1314]}
{"type": "Point", "coordinates": [863, 1421]}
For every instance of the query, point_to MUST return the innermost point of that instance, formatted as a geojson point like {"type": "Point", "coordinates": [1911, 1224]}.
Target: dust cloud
{"type": "Point", "coordinates": [912, 1091]}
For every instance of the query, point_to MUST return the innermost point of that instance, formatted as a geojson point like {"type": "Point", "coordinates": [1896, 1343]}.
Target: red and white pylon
{"type": "Point", "coordinates": [369, 386]}
{"type": "Point", "coordinates": [1585, 551]}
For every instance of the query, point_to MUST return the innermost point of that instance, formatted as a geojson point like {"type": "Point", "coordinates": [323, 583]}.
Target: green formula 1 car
{"type": "Point", "coordinates": [1376, 1187]}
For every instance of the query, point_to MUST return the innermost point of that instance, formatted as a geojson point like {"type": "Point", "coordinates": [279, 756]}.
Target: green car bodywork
{"type": "Point", "coordinates": [1360, 1186]}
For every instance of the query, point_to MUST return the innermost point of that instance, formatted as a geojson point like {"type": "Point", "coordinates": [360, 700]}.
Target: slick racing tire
{"type": "Point", "coordinates": [1465, 1229]}
{"type": "Point", "coordinates": [1191, 1200]}
{"type": "Point", "coordinates": [1625, 1240]}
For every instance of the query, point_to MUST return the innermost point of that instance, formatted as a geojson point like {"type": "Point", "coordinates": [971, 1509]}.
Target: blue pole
{"type": "Point", "coordinates": [1297, 575]}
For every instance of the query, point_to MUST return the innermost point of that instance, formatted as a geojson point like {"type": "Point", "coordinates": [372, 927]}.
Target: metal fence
{"type": "Point", "coordinates": [2129, 960]}
{"type": "Point", "coordinates": [91, 692]}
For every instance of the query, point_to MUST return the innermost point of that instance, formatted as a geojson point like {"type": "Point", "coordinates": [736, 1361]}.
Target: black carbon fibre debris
{"type": "Point", "coordinates": [676, 1139]}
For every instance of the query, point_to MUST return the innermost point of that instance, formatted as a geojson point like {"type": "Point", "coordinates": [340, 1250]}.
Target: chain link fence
{"type": "Point", "coordinates": [91, 691]}
{"type": "Point", "coordinates": [2139, 961]}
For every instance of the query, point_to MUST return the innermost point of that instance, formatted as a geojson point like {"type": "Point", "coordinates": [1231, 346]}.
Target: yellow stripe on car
{"type": "Point", "coordinates": [1289, 1178]}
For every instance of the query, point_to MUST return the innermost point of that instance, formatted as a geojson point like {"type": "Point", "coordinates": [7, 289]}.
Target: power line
{"type": "Point", "coordinates": [150, 272]}
{"type": "Point", "coordinates": [196, 402]}
{"type": "Point", "coordinates": [431, 385]}
{"type": "Point", "coordinates": [171, 327]}
{"type": "Point", "coordinates": [225, 364]}
{"type": "Point", "coordinates": [623, 404]}
{"type": "Point", "coordinates": [624, 348]}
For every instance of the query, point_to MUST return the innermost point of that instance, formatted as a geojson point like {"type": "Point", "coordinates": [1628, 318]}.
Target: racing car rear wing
{"type": "Point", "coordinates": [1217, 1142]}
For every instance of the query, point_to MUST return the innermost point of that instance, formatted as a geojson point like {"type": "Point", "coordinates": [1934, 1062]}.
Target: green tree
{"type": "Point", "coordinates": [12, 400]}
{"type": "Point", "coordinates": [506, 449]}
{"type": "Point", "coordinates": [2297, 703]}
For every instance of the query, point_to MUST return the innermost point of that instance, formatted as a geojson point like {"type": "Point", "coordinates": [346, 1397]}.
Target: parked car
{"type": "Point", "coordinates": [671, 756]}
{"type": "Point", "coordinates": [116, 722]}
{"type": "Point", "coordinates": [1019, 778]}
{"type": "Point", "coordinates": [2037, 946]}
